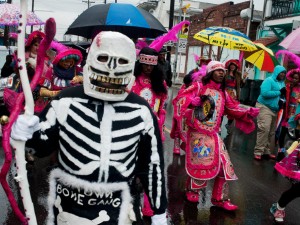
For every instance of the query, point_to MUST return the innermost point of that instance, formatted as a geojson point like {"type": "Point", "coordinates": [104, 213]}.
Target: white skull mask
{"type": "Point", "coordinates": [108, 73]}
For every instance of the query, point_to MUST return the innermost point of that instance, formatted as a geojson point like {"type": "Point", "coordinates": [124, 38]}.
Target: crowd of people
{"type": "Point", "coordinates": [104, 123]}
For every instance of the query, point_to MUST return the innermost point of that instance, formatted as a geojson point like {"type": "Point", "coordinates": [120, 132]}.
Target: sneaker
{"type": "Point", "coordinates": [225, 204]}
{"type": "Point", "coordinates": [272, 156]}
{"type": "Point", "coordinates": [277, 213]}
{"type": "Point", "coordinates": [176, 151]}
{"type": "Point", "coordinates": [257, 157]}
{"type": "Point", "coordinates": [192, 196]}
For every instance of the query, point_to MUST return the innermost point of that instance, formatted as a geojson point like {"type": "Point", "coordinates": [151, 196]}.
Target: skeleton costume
{"type": "Point", "coordinates": [106, 136]}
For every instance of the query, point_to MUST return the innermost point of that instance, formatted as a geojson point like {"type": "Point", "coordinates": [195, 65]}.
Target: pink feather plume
{"type": "Point", "coordinates": [290, 55]}
{"type": "Point", "coordinates": [199, 74]}
{"type": "Point", "coordinates": [196, 57]}
{"type": "Point", "coordinates": [141, 44]}
{"type": "Point", "coordinates": [59, 47]}
{"type": "Point", "coordinates": [158, 43]}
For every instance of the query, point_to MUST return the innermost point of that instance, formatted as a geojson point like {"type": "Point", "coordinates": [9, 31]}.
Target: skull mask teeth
{"type": "Point", "coordinates": [108, 73]}
{"type": "Point", "coordinates": [105, 84]}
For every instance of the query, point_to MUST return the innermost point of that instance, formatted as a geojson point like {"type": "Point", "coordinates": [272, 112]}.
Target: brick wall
{"type": "Point", "coordinates": [226, 15]}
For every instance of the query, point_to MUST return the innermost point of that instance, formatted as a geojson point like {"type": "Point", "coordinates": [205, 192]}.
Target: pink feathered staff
{"type": "Point", "coordinates": [159, 42]}
{"type": "Point", "coordinates": [19, 146]}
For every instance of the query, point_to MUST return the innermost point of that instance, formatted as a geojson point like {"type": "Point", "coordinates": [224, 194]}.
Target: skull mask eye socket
{"type": "Point", "coordinates": [102, 58]}
{"type": "Point", "coordinates": [123, 61]}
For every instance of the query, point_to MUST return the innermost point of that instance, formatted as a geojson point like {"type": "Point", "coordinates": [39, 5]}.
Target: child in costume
{"type": "Point", "coordinates": [31, 48]}
{"type": "Point", "coordinates": [292, 100]}
{"type": "Point", "coordinates": [61, 75]}
{"type": "Point", "coordinates": [289, 167]}
{"type": "Point", "coordinates": [191, 80]}
{"type": "Point", "coordinates": [206, 155]}
{"type": "Point", "coordinates": [106, 136]}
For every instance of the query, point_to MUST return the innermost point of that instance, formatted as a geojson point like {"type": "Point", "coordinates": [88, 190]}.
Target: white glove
{"type": "Point", "coordinates": [24, 127]}
{"type": "Point", "coordinates": [160, 219]}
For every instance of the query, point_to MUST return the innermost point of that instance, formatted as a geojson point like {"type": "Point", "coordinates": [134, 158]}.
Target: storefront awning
{"type": "Point", "coordinates": [267, 40]}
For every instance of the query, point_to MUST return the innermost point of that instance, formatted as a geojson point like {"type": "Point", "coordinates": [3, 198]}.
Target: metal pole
{"type": "Point", "coordinates": [248, 30]}
{"type": "Point", "coordinates": [177, 78]}
{"type": "Point", "coordinates": [177, 46]}
{"type": "Point", "coordinates": [171, 21]}
{"type": "Point", "coordinates": [32, 10]}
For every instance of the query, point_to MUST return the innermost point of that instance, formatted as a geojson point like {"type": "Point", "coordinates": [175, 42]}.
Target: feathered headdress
{"type": "Point", "coordinates": [63, 52]}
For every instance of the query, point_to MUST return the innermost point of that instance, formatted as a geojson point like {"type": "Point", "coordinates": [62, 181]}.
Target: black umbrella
{"type": "Point", "coordinates": [124, 18]}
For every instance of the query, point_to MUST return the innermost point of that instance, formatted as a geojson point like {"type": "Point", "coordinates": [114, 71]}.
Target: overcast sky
{"type": "Point", "coordinates": [66, 11]}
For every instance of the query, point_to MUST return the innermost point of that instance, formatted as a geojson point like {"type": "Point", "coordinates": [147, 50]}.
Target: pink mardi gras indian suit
{"type": "Point", "coordinates": [179, 129]}
{"type": "Point", "coordinates": [30, 218]}
{"type": "Point", "coordinates": [206, 155]}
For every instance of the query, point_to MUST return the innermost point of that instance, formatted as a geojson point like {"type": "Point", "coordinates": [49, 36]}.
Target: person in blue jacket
{"type": "Point", "coordinates": [268, 102]}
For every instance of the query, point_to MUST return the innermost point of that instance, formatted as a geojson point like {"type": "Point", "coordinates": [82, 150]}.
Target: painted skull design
{"type": "Point", "coordinates": [108, 73]}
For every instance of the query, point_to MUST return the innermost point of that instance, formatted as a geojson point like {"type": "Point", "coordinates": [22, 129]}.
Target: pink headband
{"type": "Point", "coordinates": [148, 59]}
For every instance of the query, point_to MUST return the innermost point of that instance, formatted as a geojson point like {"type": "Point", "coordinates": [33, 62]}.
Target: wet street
{"type": "Point", "coordinates": [258, 186]}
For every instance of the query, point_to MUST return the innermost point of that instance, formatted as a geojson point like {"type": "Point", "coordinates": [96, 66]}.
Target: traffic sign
{"type": "Point", "coordinates": [182, 45]}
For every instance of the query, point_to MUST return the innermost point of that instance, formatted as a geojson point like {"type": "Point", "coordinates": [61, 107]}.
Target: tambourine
{"type": "Point", "coordinates": [206, 109]}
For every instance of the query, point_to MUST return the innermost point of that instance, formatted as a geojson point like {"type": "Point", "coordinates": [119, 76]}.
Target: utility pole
{"type": "Point", "coordinates": [89, 3]}
{"type": "Point", "coordinates": [6, 31]}
{"type": "Point", "coordinates": [248, 30]}
{"type": "Point", "coordinates": [175, 78]}
{"type": "Point", "coordinates": [171, 22]}
{"type": "Point", "coordinates": [32, 10]}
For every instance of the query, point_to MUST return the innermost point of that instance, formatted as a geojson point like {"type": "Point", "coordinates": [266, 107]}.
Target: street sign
{"type": "Point", "coordinates": [182, 45]}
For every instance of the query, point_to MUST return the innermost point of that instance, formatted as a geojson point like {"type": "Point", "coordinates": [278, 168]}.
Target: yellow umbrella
{"type": "Point", "coordinates": [263, 58]}
{"type": "Point", "coordinates": [225, 37]}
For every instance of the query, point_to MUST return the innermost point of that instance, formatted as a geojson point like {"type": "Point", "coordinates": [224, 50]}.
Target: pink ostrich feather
{"type": "Point", "coordinates": [50, 29]}
{"type": "Point", "coordinates": [199, 74]}
{"type": "Point", "coordinates": [141, 44]}
{"type": "Point", "coordinates": [290, 55]}
{"type": "Point", "coordinates": [196, 57]}
{"type": "Point", "coordinates": [158, 43]}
